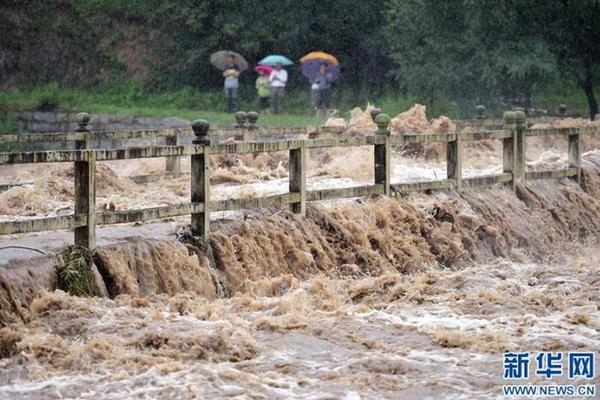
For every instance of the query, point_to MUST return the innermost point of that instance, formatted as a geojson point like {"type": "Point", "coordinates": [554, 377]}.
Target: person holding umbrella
{"type": "Point", "coordinates": [278, 79]}
{"type": "Point", "coordinates": [321, 69]}
{"type": "Point", "coordinates": [263, 87]}
{"type": "Point", "coordinates": [232, 64]}
{"type": "Point", "coordinates": [323, 84]}
{"type": "Point", "coordinates": [232, 84]}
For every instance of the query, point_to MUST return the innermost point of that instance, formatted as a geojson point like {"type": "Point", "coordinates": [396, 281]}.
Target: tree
{"type": "Point", "coordinates": [42, 41]}
{"type": "Point", "coordinates": [467, 50]}
{"type": "Point", "coordinates": [571, 30]}
{"type": "Point", "coordinates": [350, 29]}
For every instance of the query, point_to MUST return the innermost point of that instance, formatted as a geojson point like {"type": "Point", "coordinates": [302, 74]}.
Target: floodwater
{"type": "Point", "coordinates": [433, 334]}
{"type": "Point", "coordinates": [410, 298]}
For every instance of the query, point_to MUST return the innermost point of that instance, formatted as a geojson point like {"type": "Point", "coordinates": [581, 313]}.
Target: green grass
{"type": "Point", "coordinates": [8, 124]}
{"type": "Point", "coordinates": [186, 103]}
{"type": "Point", "coordinates": [214, 117]}
{"type": "Point", "coordinates": [189, 103]}
{"type": "Point", "coordinates": [572, 96]}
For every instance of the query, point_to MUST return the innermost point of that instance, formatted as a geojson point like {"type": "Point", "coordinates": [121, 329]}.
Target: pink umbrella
{"type": "Point", "coordinates": [266, 69]}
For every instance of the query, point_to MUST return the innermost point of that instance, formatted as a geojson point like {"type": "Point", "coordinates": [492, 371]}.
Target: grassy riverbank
{"type": "Point", "coordinates": [190, 103]}
{"type": "Point", "coordinates": [186, 103]}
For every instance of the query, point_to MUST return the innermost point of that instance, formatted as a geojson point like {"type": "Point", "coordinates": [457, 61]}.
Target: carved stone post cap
{"type": "Point", "coordinates": [510, 118]}
{"type": "Point", "coordinates": [83, 119]}
{"type": "Point", "coordinates": [480, 111]}
{"type": "Point", "coordinates": [374, 113]}
{"type": "Point", "coordinates": [240, 118]}
{"type": "Point", "coordinates": [252, 118]}
{"type": "Point", "coordinates": [520, 119]}
{"type": "Point", "coordinates": [383, 123]}
{"type": "Point", "coordinates": [562, 109]}
{"type": "Point", "coordinates": [200, 128]}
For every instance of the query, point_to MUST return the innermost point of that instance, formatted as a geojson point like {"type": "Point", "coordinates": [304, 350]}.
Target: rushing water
{"type": "Point", "coordinates": [433, 334]}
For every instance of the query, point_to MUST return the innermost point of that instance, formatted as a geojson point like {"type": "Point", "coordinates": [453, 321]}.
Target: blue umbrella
{"type": "Point", "coordinates": [311, 68]}
{"type": "Point", "coordinates": [275, 59]}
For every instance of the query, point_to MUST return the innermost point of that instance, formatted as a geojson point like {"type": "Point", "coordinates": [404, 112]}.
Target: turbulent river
{"type": "Point", "coordinates": [414, 297]}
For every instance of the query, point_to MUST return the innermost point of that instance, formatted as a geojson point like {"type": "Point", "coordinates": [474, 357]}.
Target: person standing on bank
{"type": "Point", "coordinates": [278, 79]}
{"type": "Point", "coordinates": [264, 90]}
{"type": "Point", "coordinates": [323, 84]}
{"type": "Point", "coordinates": [232, 84]}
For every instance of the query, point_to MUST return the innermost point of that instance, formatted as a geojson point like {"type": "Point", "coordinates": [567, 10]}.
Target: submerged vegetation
{"type": "Point", "coordinates": [75, 273]}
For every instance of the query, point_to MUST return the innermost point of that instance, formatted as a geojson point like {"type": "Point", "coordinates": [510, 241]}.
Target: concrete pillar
{"type": "Point", "coordinates": [173, 164]}
{"type": "Point", "coordinates": [480, 116]}
{"type": "Point", "coordinates": [83, 120]}
{"type": "Point", "coordinates": [240, 124]}
{"type": "Point", "coordinates": [382, 153]}
{"type": "Point", "coordinates": [509, 145]}
{"type": "Point", "coordinates": [374, 113]}
{"type": "Point", "coordinates": [575, 154]}
{"type": "Point", "coordinates": [297, 178]}
{"type": "Point", "coordinates": [85, 187]}
{"type": "Point", "coordinates": [200, 184]}
{"type": "Point", "coordinates": [454, 161]}
{"type": "Point", "coordinates": [520, 166]}
{"type": "Point", "coordinates": [562, 110]}
{"type": "Point", "coordinates": [251, 132]}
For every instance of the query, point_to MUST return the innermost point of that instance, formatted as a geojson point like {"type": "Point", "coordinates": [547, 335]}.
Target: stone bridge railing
{"type": "Point", "coordinates": [85, 217]}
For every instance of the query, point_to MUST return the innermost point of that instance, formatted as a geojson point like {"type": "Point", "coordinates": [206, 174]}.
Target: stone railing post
{"type": "Point", "coordinates": [297, 178]}
{"type": "Point", "coordinates": [509, 145]}
{"type": "Point", "coordinates": [173, 163]}
{"type": "Point", "coordinates": [382, 154]}
{"type": "Point", "coordinates": [480, 116]}
{"type": "Point", "coordinates": [240, 124]}
{"type": "Point", "coordinates": [520, 167]}
{"type": "Point", "coordinates": [374, 113]}
{"type": "Point", "coordinates": [83, 119]}
{"type": "Point", "coordinates": [454, 160]}
{"type": "Point", "coordinates": [575, 153]}
{"type": "Point", "coordinates": [85, 187]}
{"type": "Point", "coordinates": [562, 110]}
{"type": "Point", "coordinates": [252, 131]}
{"type": "Point", "coordinates": [240, 119]}
{"type": "Point", "coordinates": [480, 111]}
{"type": "Point", "coordinates": [200, 184]}
{"type": "Point", "coordinates": [252, 118]}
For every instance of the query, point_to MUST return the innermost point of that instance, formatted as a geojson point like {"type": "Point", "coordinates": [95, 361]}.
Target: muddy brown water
{"type": "Point", "coordinates": [407, 298]}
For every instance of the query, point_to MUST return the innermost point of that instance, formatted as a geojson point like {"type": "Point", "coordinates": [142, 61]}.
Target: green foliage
{"type": "Point", "coordinates": [133, 99]}
{"type": "Point", "coordinates": [496, 53]}
{"type": "Point", "coordinates": [153, 54]}
{"type": "Point", "coordinates": [469, 51]}
{"type": "Point", "coordinates": [548, 101]}
{"type": "Point", "coordinates": [43, 41]}
{"type": "Point", "coordinates": [569, 28]}
{"type": "Point", "coordinates": [139, 9]}
{"type": "Point", "coordinates": [75, 274]}
{"type": "Point", "coordinates": [193, 30]}
{"type": "Point", "coordinates": [8, 124]}
{"type": "Point", "coordinates": [44, 97]}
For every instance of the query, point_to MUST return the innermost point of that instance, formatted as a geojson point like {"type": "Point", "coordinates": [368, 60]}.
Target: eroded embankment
{"type": "Point", "coordinates": [354, 239]}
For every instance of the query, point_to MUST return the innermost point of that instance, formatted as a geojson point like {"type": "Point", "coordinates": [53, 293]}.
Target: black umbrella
{"type": "Point", "coordinates": [220, 59]}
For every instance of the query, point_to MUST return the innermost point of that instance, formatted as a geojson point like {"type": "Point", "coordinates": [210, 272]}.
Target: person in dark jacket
{"type": "Point", "coordinates": [323, 85]}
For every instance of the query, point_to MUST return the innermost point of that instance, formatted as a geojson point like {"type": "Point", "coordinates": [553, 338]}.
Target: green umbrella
{"type": "Point", "coordinates": [274, 59]}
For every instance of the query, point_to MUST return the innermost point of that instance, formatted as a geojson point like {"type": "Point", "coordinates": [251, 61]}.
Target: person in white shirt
{"type": "Point", "coordinates": [278, 79]}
